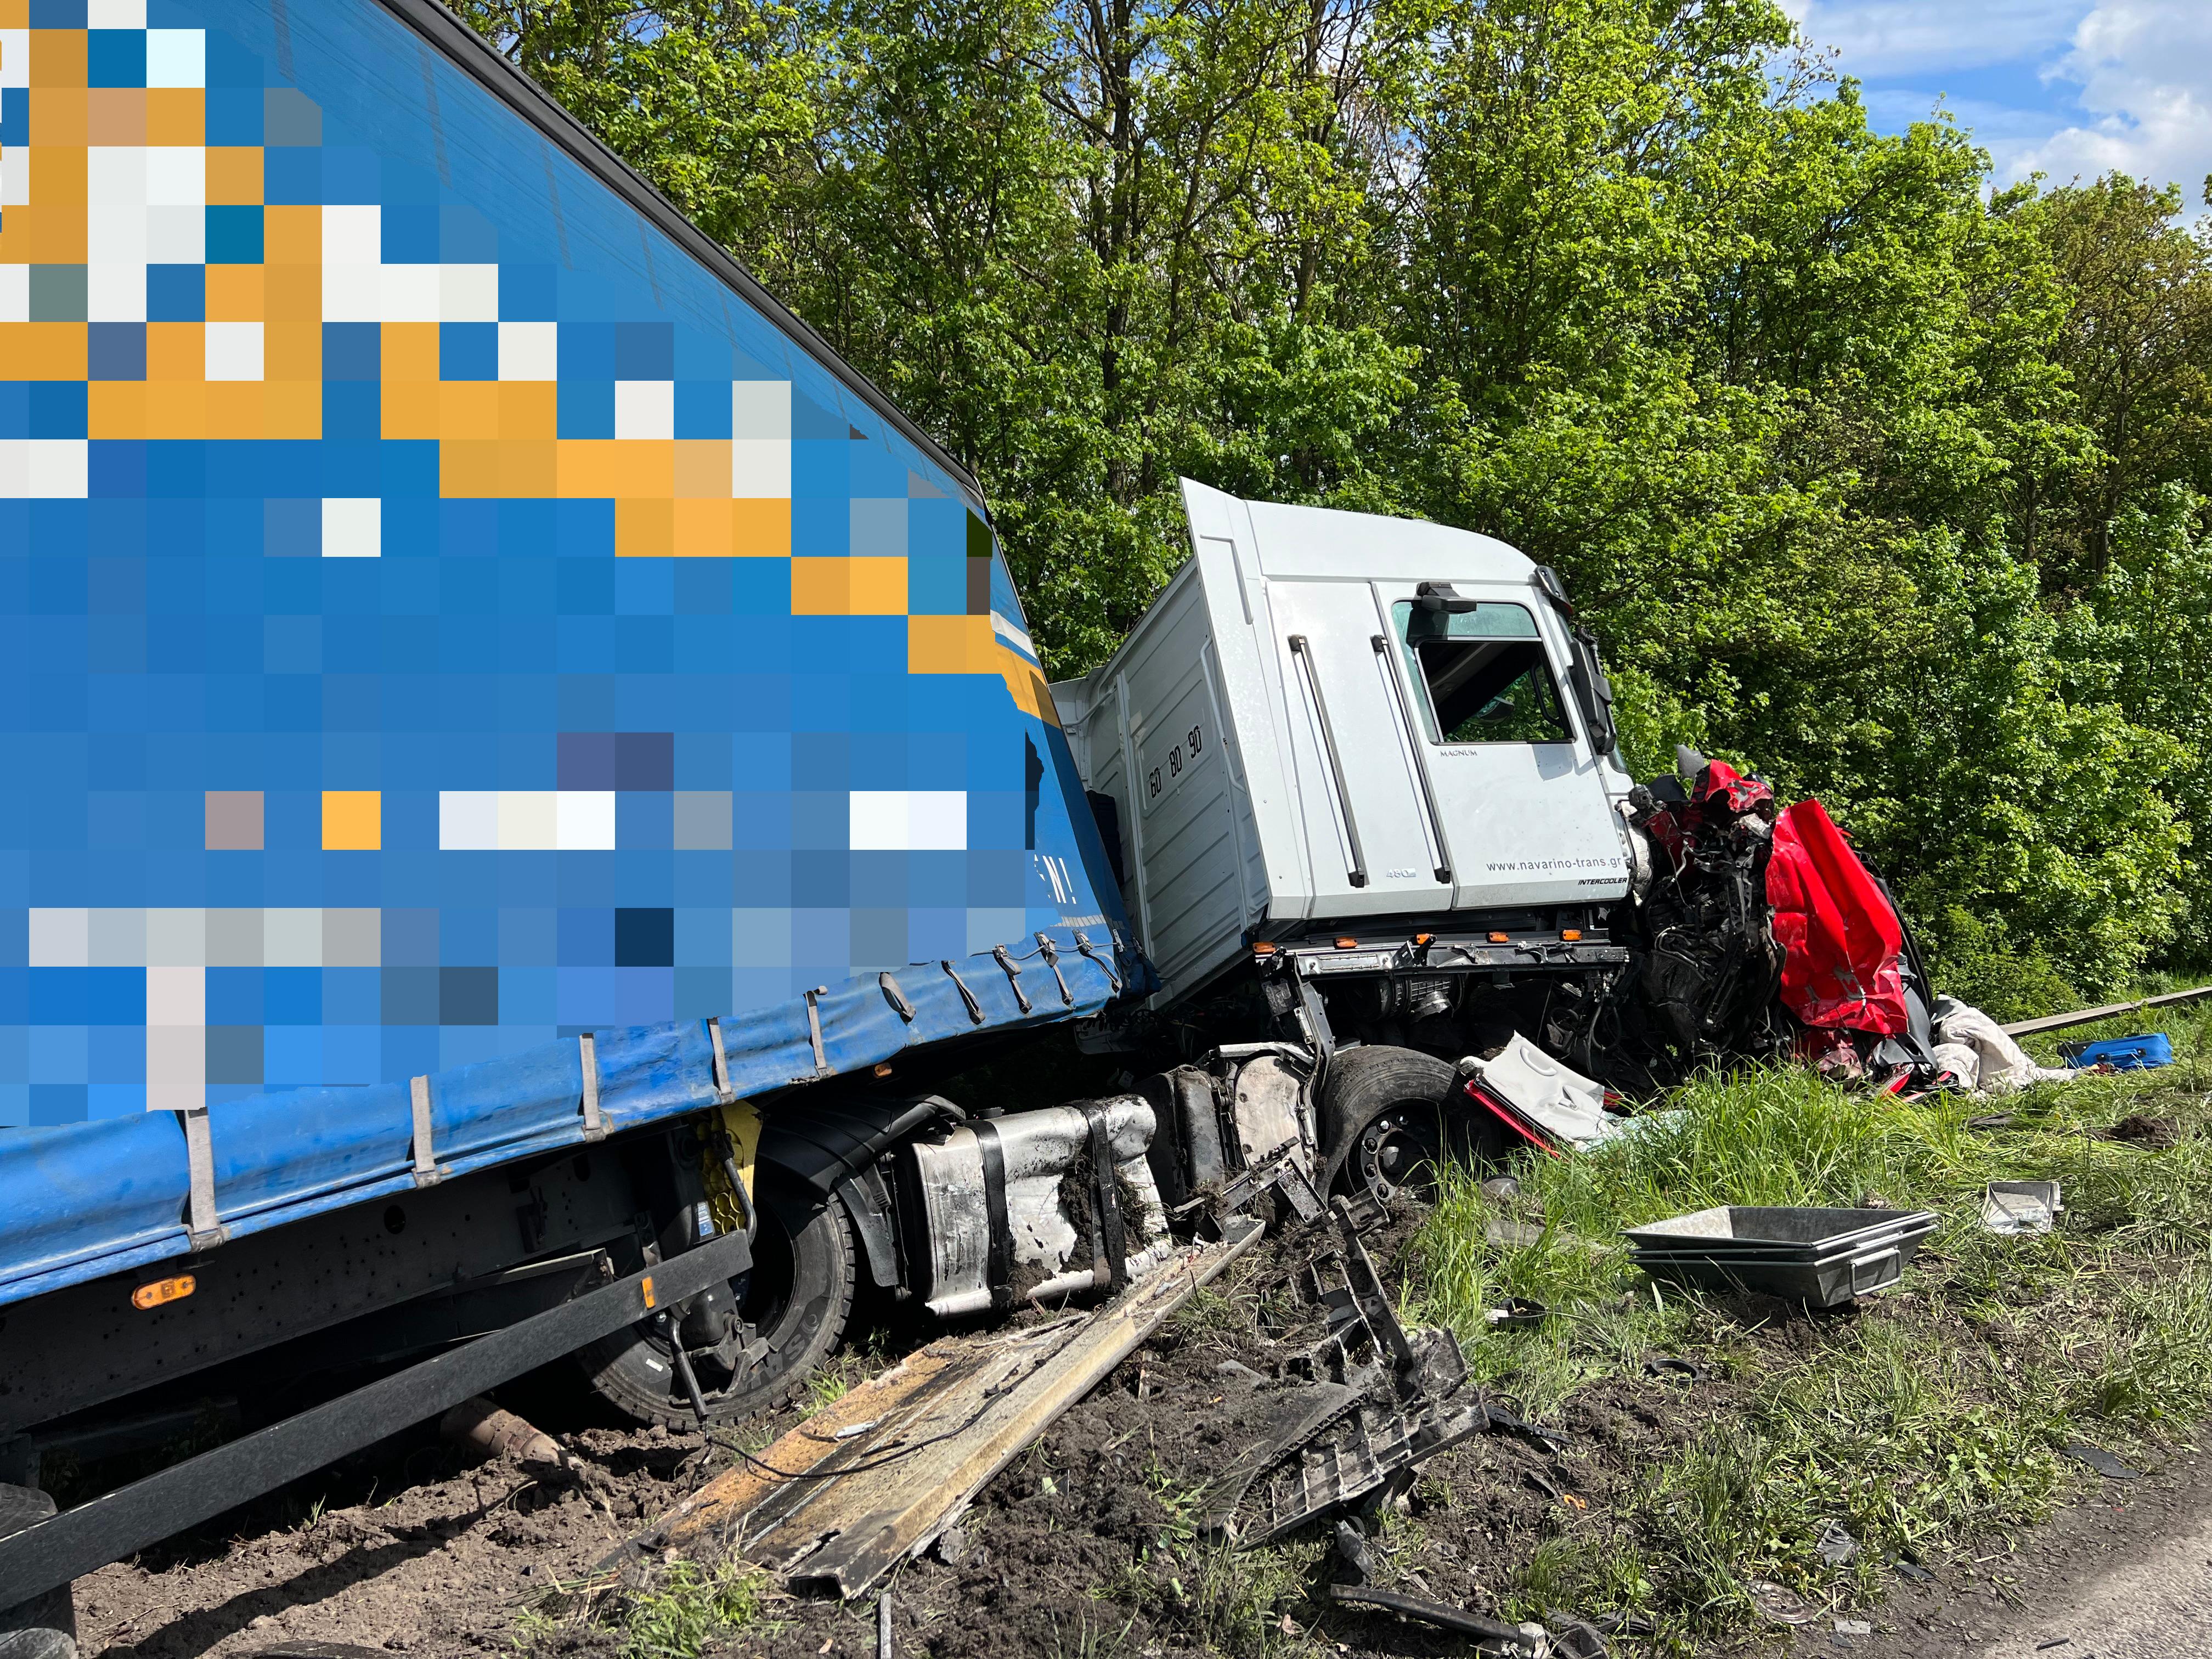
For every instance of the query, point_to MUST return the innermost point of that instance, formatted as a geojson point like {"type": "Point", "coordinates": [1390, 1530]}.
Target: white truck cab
{"type": "Point", "coordinates": [1336, 724]}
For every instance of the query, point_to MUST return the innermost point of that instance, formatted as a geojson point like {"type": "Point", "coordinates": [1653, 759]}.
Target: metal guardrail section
{"type": "Point", "coordinates": [2090, 1016]}
{"type": "Point", "coordinates": [840, 1500]}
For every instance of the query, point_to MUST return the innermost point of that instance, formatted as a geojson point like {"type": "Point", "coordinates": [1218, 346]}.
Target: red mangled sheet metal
{"type": "Point", "coordinates": [1838, 934]}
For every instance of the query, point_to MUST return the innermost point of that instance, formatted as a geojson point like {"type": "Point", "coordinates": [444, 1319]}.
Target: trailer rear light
{"type": "Point", "coordinates": [1571, 934]}
{"type": "Point", "coordinates": [645, 1289]}
{"type": "Point", "coordinates": [1501, 939]}
{"type": "Point", "coordinates": [164, 1289]}
{"type": "Point", "coordinates": [1347, 944]}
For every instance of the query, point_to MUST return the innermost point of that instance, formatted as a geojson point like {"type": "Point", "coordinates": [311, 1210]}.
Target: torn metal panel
{"type": "Point", "coordinates": [1303, 1411]}
{"type": "Point", "coordinates": [1374, 1444]}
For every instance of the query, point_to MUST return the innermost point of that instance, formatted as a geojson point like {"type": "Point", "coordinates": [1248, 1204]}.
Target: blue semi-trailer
{"type": "Point", "coordinates": [526, 770]}
{"type": "Point", "coordinates": [462, 643]}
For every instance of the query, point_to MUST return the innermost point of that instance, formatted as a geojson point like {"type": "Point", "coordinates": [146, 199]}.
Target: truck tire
{"type": "Point", "coordinates": [796, 1296]}
{"type": "Point", "coordinates": [45, 1627]}
{"type": "Point", "coordinates": [1382, 1118]}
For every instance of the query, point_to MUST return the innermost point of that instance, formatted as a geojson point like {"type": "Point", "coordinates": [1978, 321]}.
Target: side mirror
{"type": "Point", "coordinates": [1443, 597]}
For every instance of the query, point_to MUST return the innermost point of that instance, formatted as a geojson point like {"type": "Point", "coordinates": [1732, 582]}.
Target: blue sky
{"type": "Point", "coordinates": [2065, 87]}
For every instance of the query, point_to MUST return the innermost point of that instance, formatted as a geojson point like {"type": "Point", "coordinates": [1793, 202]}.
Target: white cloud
{"type": "Point", "coordinates": [2144, 72]}
{"type": "Point", "coordinates": [1875, 37]}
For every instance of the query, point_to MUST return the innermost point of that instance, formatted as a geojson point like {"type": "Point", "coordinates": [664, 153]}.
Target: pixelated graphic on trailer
{"type": "Point", "coordinates": [440, 615]}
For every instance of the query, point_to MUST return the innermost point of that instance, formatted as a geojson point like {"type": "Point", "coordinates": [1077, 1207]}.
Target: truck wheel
{"type": "Point", "coordinates": [795, 1300]}
{"type": "Point", "coordinates": [45, 1628]}
{"type": "Point", "coordinates": [1382, 1113]}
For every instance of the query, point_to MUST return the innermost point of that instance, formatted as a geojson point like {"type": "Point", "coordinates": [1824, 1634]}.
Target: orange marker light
{"type": "Point", "coordinates": [1263, 948]}
{"type": "Point", "coordinates": [645, 1289]}
{"type": "Point", "coordinates": [1425, 938]}
{"type": "Point", "coordinates": [1347, 944]}
{"type": "Point", "coordinates": [1501, 939]}
{"type": "Point", "coordinates": [164, 1289]}
{"type": "Point", "coordinates": [1571, 933]}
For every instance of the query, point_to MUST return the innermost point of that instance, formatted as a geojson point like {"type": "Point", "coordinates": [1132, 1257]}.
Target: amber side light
{"type": "Point", "coordinates": [1263, 947]}
{"type": "Point", "coordinates": [645, 1289]}
{"type": "Point", "coordinates": [1347, 944]}
{"type": "Point", "coordinates": [164, 1289]}
{"type": "Point", "coordinates": [1571, 933]}
{"type": "Point", "coordinates": [1501, 939]}
{"type": "Point", "coordinates": [1425, 938]}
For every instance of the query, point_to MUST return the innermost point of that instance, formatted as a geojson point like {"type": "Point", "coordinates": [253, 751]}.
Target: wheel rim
{"type": "Point", "coordinates": [1397, 1151]}
{"type": "Point", "coordinates": [762, 1296]}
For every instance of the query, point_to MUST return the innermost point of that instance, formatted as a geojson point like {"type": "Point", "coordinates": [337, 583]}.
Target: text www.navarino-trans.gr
{"type": "Point", "coordinates": [1557, 864]}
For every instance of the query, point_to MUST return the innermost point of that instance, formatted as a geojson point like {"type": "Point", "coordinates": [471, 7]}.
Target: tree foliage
{"type": "Point", "coordinates": [1888, 484]}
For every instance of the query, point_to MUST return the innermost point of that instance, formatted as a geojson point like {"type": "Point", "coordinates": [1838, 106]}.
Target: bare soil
{"type": "Point", "coordinates": [1084, 1545]}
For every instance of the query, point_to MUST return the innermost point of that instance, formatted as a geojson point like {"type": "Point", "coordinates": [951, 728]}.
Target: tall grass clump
{"type": "Point", "coordinates": [1930, 1415]}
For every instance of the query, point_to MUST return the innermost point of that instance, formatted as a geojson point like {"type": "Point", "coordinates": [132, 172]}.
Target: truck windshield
{"type": "Point", "coordinates": [1485, 674]}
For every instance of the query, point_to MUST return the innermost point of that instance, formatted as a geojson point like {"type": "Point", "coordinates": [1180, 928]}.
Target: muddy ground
{"type": "Point", "coordinates": [1085, 1546]}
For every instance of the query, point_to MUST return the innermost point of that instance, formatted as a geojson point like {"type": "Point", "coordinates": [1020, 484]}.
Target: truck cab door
{"type": "Point", "coordinates": [1369, 844]}
{"type": "Point", "coordinates": [1518, 794]}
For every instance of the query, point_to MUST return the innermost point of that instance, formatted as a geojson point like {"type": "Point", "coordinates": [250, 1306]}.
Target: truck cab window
{"type": "Point", "coordinates": [1484, 673]}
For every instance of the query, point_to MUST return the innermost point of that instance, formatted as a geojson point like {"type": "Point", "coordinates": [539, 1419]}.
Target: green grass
{"type": "Point", "coordinates": [679, 1611]}
{"type": "Point", "coordinates": [1936, 1415]}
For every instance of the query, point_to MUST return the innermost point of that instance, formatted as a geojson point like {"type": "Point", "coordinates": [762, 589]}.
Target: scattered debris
{"type": "Point", "coordinates": [1982, 1055]}
{"type": "Point", "coordinates": [1666, 1365]}
{"type": "Point", "coordinates": [2101, 1460]}
{"type": "Point", "coordinates": [1991, 1120]}
{"type": "Point", "coordinates": [1835, 1544]}
{"type": "Point", "coordinates": [1912, 1572]}
{"type": "Point", "coordinates": [1577, 1638]}
{"type": "Point", "coordinates": [1538, 1098]}
{"type": "Point", "coordinates": [1354, 1555]}
{"type": "Point", "coordinates": [2021, 1206]}
{"type": "Point", "coordinates": [1854, 1627]}
{"type": "Point", "coordinates": [1488, 1635]}
{"type": "Point", "coordinates": [1518, 1310]}
{"type": "Point", "coordinates": [1778, 1604]}
{"type": "Point", "coordinates": [479, 1425]}
{"type": "Point", "coordinates": [2143, 1052]}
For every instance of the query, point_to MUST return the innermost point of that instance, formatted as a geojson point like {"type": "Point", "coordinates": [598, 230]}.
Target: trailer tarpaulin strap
{"type": "Point", "coordinates": [199, 1147]}
{"type": "Point", "coordinates": [1013, 974]}
{"type": "Point", "coordinates": [723, 1092]}
{"type": "Point", "coordinates": [967, 996]}
{"type": "Point", "coordinates": [127, 1204]}
{"type": "Point", "coordinates": [1000, 1268]}
{"type": "Point", "coordinates": [895, 997]}
{"type": "Point", "coordinates": [587, 1055]}
{"type": "Point", "coordinates": [427, 1172]}
{"type": "Point", "coordinates": [1084, 947]}
{"type": "Point", "coordinates": [1051, 961]}
{"type": "Point", "coordinates": [814, 1030]}
{"type": "Point", "coordinates": [1109, 1244]}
